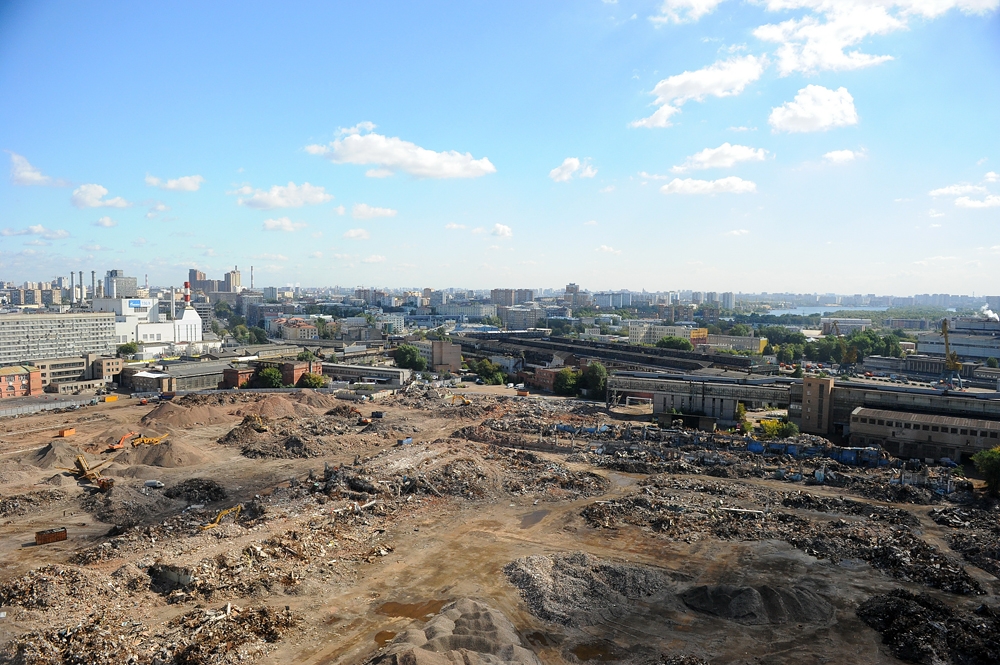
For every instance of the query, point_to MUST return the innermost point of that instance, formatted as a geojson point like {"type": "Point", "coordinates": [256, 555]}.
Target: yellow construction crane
{"type": "Point", "coordinates": [236, 510]}
{"type": "Point", "coordinates": [952, 365]}
{"type": "Point", "coordinates": [148, 440]}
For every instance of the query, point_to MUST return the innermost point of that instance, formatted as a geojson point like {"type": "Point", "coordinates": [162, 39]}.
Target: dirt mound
{"type": "Point", "coordinates": [466, 631]}
{"type": "Point", "coordinates": [578, 588]}
{"type": "Point", "coordinates": [169, 454]}
{"type": "Point", "coordinates": [22, 504]}
{"type": "Point", "coordinates": [177, 415]}
{"type": "Point", "coordinates": [274, 407]}
{"type": "Point", "coordinates": [58, 454]}
{"type": "Point", "coordinates": [757, 606]}
{"type": "Point", "coordinates": [197, 490]}
{"type": "Point", "coordinates": [291, 447]}
{"type": "Point", "coordinates": [126, 506]}
{"type": "Point", "coordinates": [922, 629]}
{"type": "Point", "coordinates": [315, 400]}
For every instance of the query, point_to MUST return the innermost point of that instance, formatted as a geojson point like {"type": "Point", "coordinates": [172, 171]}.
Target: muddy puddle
{"type": "Point", "coordinates": [412, 610]}
{"type": "Point", "coordinates": [533, 518]}
{"type": "Point", "coordinates": [384, 637]}
{"type": "Point", "coordinates": [594, 651]}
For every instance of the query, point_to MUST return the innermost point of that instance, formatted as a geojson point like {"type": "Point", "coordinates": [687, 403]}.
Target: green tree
{"type": "Point", "coordinates": [678, 343]}
{"type": "Point", "coordinates": [269, 377]}
{"type": "Point", "coordinates": [595, 380]}
{"type": "Point", "coordinates": [309, 380]}
{"type": "Point", "coordinates": [305, 356]}
{"type": "Point", "coordinates": [741, 330]}
{"type": "Point", "coordinates": [493, 321]}
{"type": "Point", "coordinates": [128, 349]}
{"type": "Point", "coordinates": [788, 429]}
{"type": "Point", "coordinates": [408, 357]}
{"type": "Point", "coordinates": [992, 363]}
{"type": "Point", "coordinates": [489, 372]}
{"type": "Point", "coordinates": [988, 463]}
{"type": "Point", "coordinates": [798, 373]}
{"type": "Point", "coordinates": [741, 417]}
{"type": "Point", "coordinates": [223, 310]}
{"type": "Point", "coordinates": [236, 320]}
{"type": "Point", "coordinates": [258, 335]}
{"type": "Point", "coordinates": [241, 333]}
{"type": "Point", "coordinates": [768, 349]}
{"type": "Point", "coordinates": [566, 382]}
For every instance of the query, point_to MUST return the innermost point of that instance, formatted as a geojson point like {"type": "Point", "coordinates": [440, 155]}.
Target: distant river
{"type": "Point", "coordinates": [806, 311]}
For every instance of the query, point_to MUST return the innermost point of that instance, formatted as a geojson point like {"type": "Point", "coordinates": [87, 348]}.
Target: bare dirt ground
{"type": "Point", "coordinates": [350, 548]}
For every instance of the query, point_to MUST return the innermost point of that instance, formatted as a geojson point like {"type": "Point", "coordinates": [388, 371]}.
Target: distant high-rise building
{"type": "Point", "coordinates": [117, 285]}
{"type": "Point", "coordinates": [728, 300]}
{"type": "Point", "coordinates": [233, 281]}
{"type": "Point", "coordinates": [697, 297]}
{"type": "Point", "coordinates": [503, 297]}
{"type": "Point", "coordinates": [522, 296]}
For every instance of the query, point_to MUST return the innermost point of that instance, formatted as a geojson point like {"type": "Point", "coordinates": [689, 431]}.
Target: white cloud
{"type": "Point", "coordinates": [738, 232]}
{"type": "Point", "coordinates": [106, 222]}
{"type": "Point", "coordinates": [592, 222]}
{"type": "Point", "coordinates": [607, 249]}
{"type": "Point", "coordinates": [356, 234]}
{"type": "Point", "coordinates": [958, 190]}
{"type": "Point", "coordinates": [392, 154]}
{"type": "Point", "coordinates": [478, 230]}
{"type": "Point", "coordinates": [24, 174]}
{"type": "Point", "coordinates": [139, 242]}
{"type": "Point", "coordinates": [502, 230]}
{"type": "Point", "coordinates": [289, 196]}
{"type": "Point", "coordinates": [365, 211]}
{"type": "Point", "coordinates": [187, 183]}
{"type": "Point", "coordinates": [283, 224]}
{"type": "Point", "coordinates": [95, 248]}
{"type": "Point", "coordinates": [92, 196]}
{"type": "Point", "coordinates": [364, 126]}
{"type": "Point", "coordinates": [821, 39]}
{"type": "Point", "coordinates": [934, 213]}
{"type": "Point", "coordinates": [992, 201]}
{"type": "Point", "coordinates": [681, 11]}
{"type": "Point", "coordinates": [724, 78]}
{"type": "Point", "coordinates": [815, 109]}
{"type": "Point", "coordinates": [37, 230]}
{"type": "Point", "coordinates": [730, 185]}
{"type": "Point", "coordinates": [316, 255]}
{"type": "Point", "coordinates": [992, 176]}
{"type": "Point", "coordinates": [374, 258]}
{"type": "Point", "coordinates": [271, 257]}
{"type": "Point", "coordinates": [38, 242]}
{"type": "Point", "coordinates": [454, 227]}
{"type": "Point", "coordinates": [724, 157]}
{"type": "Point", "coordinates": [156, 210]}
{"type": "Point", "coordinates": [607, 190]}
{"type": "Point", "coordinates": [340, 210]}
{"type": "Point", "coordinates": [840, 156]}
{"type": "Point", "coordinates": [653, 176]}
{"type": "Point", "coordinates": [739, 129]}
{"type": "Point", "coordinates": [565, 171]}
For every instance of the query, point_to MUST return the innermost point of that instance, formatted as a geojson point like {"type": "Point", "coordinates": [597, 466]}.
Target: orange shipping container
{"type": "Point", "coordinates": [69, 431]}
{"type": "Point", "coordinates": [50, 536]}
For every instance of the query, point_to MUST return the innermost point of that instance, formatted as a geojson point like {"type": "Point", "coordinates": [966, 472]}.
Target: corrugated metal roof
{"type": "Point", "coordinates": [18, 369]}
{"type": "Point", "coordinates": [926, 419]}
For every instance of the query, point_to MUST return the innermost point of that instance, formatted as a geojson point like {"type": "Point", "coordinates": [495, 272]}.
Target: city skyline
{"type": "Point", "coordinates": [629, 145]}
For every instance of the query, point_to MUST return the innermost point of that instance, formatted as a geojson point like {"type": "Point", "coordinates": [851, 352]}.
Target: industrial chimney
{"type": "Point", "coordinates": [93, 284]}
{"type": "Point", "coordinates": [83, 289]}
{"type": "Point", "coordinates": [72, 287]}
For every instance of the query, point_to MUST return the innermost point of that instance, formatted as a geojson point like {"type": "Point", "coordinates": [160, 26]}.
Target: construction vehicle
{"type": "Point", "coordinates": [952, 365]}
{"type": "Point", "coordinates": [465, 401]}
{"type": "Point", "coordinates": [255, 421]}
{"type": "Point", "coordinates": [355, 410]}
{"type": "Point", "coordinates": [235, 510]}
{"type": "Point", "coordinates": [148, 440]}
{"type": "Point", "coordinates": [364, 421]}
{"type": "Point", "coordinates": [121, 441]}
{"type": "Point", "coordinates": [83, 471]}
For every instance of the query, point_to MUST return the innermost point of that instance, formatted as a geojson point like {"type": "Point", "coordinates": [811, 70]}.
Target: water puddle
{"type": "Point", "coordinates": [594, 651]}
{"type": "Point", "coordinates": [412, 610]}
{"type": "Point", "coordinates": [384, 637]}
{"type": "Point", "coordinates": [531, 519]}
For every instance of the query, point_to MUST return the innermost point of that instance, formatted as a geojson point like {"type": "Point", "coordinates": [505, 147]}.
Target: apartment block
{"type": "Point", "coordinates": [25, 338]}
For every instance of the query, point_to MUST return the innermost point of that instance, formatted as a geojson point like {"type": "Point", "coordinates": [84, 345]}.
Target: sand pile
{"type": "Point", "coordinates": [179, 416]}
{"type": "Point", "coordinates": [59, 454]}
{"type": "Point", "coordinates": [316, 400]}
{"type": "Point", "coordinates": [580, 589]}
{"type": "Point", "coordinates": [755, 606]}
{"type": "Point", "coordinates": [274, 407]}
{"type": "Point", "coordinates": [465, 631]}
{"type": "Point", "coordinates": [170, 454]}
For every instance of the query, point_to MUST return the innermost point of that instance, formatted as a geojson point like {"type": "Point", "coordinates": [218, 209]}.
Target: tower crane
{"type": "Point", "coordinates": [952, 365]}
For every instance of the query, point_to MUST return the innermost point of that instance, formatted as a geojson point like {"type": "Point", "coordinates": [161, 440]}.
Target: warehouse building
{"type": "Point", "coordinates": [923, 435]}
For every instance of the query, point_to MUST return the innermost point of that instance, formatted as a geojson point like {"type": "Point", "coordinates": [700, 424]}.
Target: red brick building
{"type": "Point", "coordinates": [20, 381]}
{"type": "Point", "coordinates": [292, 371]}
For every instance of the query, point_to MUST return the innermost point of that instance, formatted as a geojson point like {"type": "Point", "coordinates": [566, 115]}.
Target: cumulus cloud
{"type": "Point", "coordinates": [392, 154]}
{"type": "Point", "coordinates": [570, 166]}
{"type": "Point", "coordinates": [37, 230]}
{"type": "Point", "coordinates": [365, 211]}
{"type": "Point", "coordinates": [270, 257]}
{"type": "Point", "coordinates": [106, 222]}
{"type": "Point", "coordinates": [815, 109]}
{"type": "Point", "coordinates": [454, 227]}
{"type": "Point", "coordinates": [340, 210]}
{"type": "Point", "coordinates": [356, 234]}
{"type": "Point", "coordinates": [92, 196]}
{"type": "Point", "coordinates": [840, 156]}
{"type": "Point", "coordinates": [730, 185]}
{"type": "Point", "coordinates": [502, 230]}
{"type": "Point", "coordinates": [991, 201]}
{"type": "Point", "coordinates": [289, 196]}
{"type": "Point", "coordinates": [724, 78]}
{"type": "Point", "coordinates": [157, 208]}
{"type": "Point", "coordinates": [187, 183]}
{"type": "Point", "coordinates": [682, 11]}
{"type": "Point", "coordinates": [139, 242]}
{"type": "Point", "coordinates": [607, 249]}
{"type": "Point", "coordinates": [992, 176]}
{"type": "Point", "coordinates": [958, 190]}
{"type": "Point", "coordinates": [283, 224]}
{"type": "Point", "coordinates": [24, 174]}
{"type": "Point", "coordinates": [738, 232]}
{"type": "Point", "coordinates": [592, 222]}
{"type": "Point", "coordinates": [724, 157]}
{"type": "Point", "coordinates": [374, 258]}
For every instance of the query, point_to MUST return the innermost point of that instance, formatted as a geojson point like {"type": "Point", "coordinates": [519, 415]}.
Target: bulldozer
{"type": "Point", "coordinates": [148, 440]}
{"type": "Point", "coordinates": [234, 510]}
{"type": "Point", "coordinates": [121, 441]}
{"type": "Point", "coordinates": [83, 471]}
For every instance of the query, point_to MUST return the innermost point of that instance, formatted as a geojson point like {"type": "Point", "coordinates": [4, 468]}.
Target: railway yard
{"type": "Point", "coordinates": [298, 528]}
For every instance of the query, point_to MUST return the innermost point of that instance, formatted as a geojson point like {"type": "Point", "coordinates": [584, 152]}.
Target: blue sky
{"type": "Point", "coordinates": [768, 145]}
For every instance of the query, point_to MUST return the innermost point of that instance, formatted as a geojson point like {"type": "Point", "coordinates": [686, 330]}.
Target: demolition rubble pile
{"type": "Point", "coordinates": [260, 437]}
{"type": "Point", "coordinates": [465, 631]}
{"type": "Point", "coordinates": [976, 534]}
{"type": "Point", "coordinates": [22, 504]}
{"type": "Point", "coordinates": [922, 629]}
{"type": "Point", "coordinates": [880, 536]}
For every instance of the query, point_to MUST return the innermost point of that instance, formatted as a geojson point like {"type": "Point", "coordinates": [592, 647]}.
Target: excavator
{"type": "Point", "coordinates": [952, 365]}
{"type": "Point", "coordinates": [462, 399]}
{"type": "Point", "coordinates": [237, 509]}
{"type": "Point", "coordinates": [362, 420]}
{"type": "Point", "coordinates": [121, 441]}
{"type": "Point", "coordinates": [83, 471]}
{"type": "Point", "coordinates": [148, 440]}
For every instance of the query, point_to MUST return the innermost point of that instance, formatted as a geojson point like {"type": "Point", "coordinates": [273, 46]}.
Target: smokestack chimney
{"type": "Point", "coordinates": [83, 289]}
{"type": "Point", "coordinates": [93, 284]}
{"type": "Point", "coordinates": [173, 303]}
{"type": "Point", "coordinates": [251, 278]}
{"type": "Point", "coordinates": [72, 287]}
{"type": "Point", "coordinates": [187, 294]}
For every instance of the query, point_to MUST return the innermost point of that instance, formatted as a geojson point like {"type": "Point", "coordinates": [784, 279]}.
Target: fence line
{"type": "Point", "coordinates": [44, 406]}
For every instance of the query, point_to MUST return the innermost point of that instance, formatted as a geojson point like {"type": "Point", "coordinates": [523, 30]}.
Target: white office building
{"type": "Point", "coordinates": [139, 320]}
